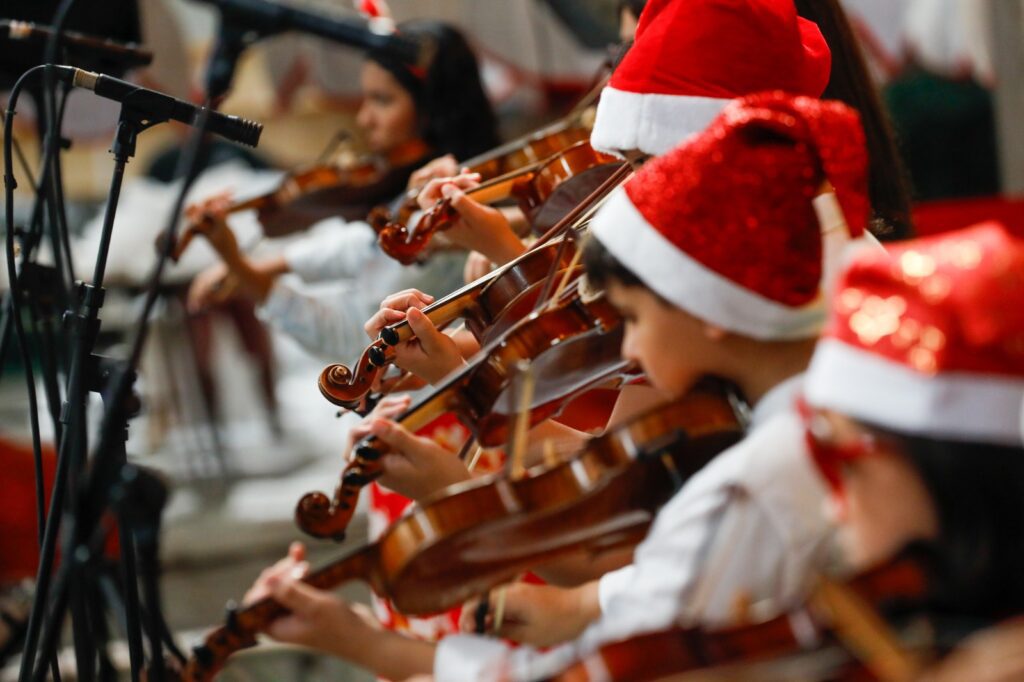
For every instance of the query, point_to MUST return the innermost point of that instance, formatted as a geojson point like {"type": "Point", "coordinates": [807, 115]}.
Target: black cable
{"type": "Point", "coordinates": [23, 160]}
{"type": "Point", "coordinates": [15, 309]}
{"type": "Point", "coordinates": [12, 274]}
{"type": "Point", "coordinates": [15, 315]}
{"type": "Point", "coordinates": [60, 241]}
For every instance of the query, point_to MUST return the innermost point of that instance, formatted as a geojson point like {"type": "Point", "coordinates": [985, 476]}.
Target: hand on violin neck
{"type": "Point", "coordinates": [393, 308]}
{"type": "Point", "coordinates": [293, 565]}
{"type": "Point", "coordinates": [443, 187]}
{"type": "Point", "coordinates": [317, 617]}
{"type": "Point", "coordinates": [479, 227]}
{"type": "Point", "coordinates": [431, 355]}
{"type": "Point", "coordinates": [441, 167]}
{"type": "Point", "coordinates": [538, 615]}
{"type": "Point", "coordinates": [414, 466]}
{"type": "Point", "coordinates": [389, 407]}
{"type": "Point", "coordinates": [209, 218]}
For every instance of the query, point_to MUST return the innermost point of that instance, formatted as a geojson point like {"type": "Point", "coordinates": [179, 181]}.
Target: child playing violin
{"type": "Point", "coordinates": [488, 232]}
{"type": "Point", "coordinates": [441, 110]}
{"type": "Point", "coordinates": [665, 250]}
{"type": "Point", "coordinates": [666, 88]}
{"type": "Point", "coordinates": [616, 131]}
{"type": "Point", "coordinates": [915, 398]}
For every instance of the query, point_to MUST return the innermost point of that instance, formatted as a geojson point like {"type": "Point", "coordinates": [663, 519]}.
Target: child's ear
{"type": "Point", "coordinates": [714, 332]}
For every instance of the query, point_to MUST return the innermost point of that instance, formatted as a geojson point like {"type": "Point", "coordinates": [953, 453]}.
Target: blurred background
{"type": "Point", "coordinates": [231, 414]}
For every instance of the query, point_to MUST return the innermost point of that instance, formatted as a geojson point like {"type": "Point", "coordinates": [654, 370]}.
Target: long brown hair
{"type": "Point", "coordinates": [851, 83]}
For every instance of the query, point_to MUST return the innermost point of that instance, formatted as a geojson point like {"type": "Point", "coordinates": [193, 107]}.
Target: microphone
{"type": "Point", "coordinates": [242, 22]}
{"type": "Point", "coordinates": [268, 18]}
{"type": "Point", "coordinates": [157, 107]}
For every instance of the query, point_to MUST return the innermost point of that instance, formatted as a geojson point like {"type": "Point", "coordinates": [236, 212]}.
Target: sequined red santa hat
{"type": "Point", "coordinates": [725, 226]}
{"type": "Point", "coordinates": [929, 339]}
{"type": "Point", "coordinates": [691, 57]}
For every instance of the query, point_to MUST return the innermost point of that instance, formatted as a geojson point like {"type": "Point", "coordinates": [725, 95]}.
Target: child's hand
{"type": "Point", "coordinates": [416, 467]}
{"type": "Point", "coordinates": [539, 615]}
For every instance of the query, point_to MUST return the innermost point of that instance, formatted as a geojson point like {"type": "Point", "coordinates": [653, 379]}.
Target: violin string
{"type": "Point", "coordinates": [566, 277]}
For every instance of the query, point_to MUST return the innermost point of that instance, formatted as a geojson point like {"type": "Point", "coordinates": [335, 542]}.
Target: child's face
{"type": "Point", "coordinates": [674, 348]}
{"type": "Point", "coordinates": [879, 499]}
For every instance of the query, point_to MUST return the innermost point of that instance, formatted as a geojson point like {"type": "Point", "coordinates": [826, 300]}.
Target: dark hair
{"type": "Point", "coordinates": [851, 84]}
{"type": "Point", "coordinates": [635, 7]}
{"type": "Point", "coordinates": [602, 267]}
{"type": "Point", "coordinates": [455, 116]}
{"type": "Point", "coordinates": [978, 493]}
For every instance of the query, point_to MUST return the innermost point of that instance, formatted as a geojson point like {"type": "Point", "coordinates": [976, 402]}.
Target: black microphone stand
{"type": "Point", "coordinates": [83, 328]}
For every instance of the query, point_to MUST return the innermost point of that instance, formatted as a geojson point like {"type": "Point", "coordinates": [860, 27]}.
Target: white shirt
{"type": "Point", "coordinates": [329, 320]}
{"type": "Point", "coordinates": [750, 523]}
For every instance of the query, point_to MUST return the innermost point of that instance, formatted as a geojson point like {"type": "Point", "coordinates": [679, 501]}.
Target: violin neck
{"type": "Point", "coordinates": [501, 187]}
{"type": "Point", "coordinates": [515, 145]}
{"type": "Point", "coordinates": [252, 204]}
{"type": "Point", "coordinates": [408, 153]}
{"type": "Point", "coordinates": [358, 565]}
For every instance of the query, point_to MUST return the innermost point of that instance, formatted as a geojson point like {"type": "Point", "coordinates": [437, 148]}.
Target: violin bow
{"type": "Point", "coordinates": [863, 631]}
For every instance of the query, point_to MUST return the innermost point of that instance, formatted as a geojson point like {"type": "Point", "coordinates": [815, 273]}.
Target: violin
{"type": "Point", "coordinates": [572, 346]}
{"type": "Point", "coordinates": [545, 191]}
{"type": "Point", "coordinates": [506, 293]}
{"type": "Point", "coordinates": [511, 156]}
{"type": "Point", "coordinates": [824, 620]}
{"type": "Point", "coordinates": [347, 188]}
{"type": "Point", "coordinates": [479, 534]}
{"type": "Point", "coordinates": [509, 293]}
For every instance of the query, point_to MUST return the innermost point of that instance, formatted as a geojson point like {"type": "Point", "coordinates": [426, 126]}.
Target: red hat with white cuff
{"type": "Point", "coordinates": [691, 57]}
{"type": "Point", "coordinates": [727, 227]}
{"type": "Point", "coordinates": [928, 339]}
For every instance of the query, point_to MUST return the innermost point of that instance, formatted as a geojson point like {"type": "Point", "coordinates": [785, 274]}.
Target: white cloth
{"type": "Point", "coordinates": [752, 522]}
{"type": "Point", "coordinates": [328, 320]}
{"type": "Point", "coordinates": [951, 37]}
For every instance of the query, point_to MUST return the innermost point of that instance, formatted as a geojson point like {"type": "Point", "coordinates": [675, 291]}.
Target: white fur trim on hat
{"type": "Point", "coordinates": [955, 405]}
{"type": "Point", "coordinates": [688, 284]}
{"type": "Point", "coordinates": [654, 124]}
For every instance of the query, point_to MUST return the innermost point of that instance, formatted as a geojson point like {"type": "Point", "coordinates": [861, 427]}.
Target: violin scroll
{"type": "Point", "coordinates": [405, 245]}
{"type": "Point", "coordinates": [327, 518]}
{"type": "Point", "coordinates": [345, 388]}
{"type": "Point", "coordinates": [318, 516]}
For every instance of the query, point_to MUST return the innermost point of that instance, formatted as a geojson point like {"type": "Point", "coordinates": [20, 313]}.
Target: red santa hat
{"type": "Point", "coordinates": [691, 57]}
{"type": "Point", "coordinates": [726, 227]}
{"type": "Point", "coordinates": [929, 339]}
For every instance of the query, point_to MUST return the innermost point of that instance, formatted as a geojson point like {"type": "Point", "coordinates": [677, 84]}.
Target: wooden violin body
{"type": "Point", "coordinates": [812, 627]}
{"type": "Point", "coordinates": [545, 191]}
{"type": "Point", "coordinates": [480, 534]}
{"type": "Point", "coordinates": [572, 346]}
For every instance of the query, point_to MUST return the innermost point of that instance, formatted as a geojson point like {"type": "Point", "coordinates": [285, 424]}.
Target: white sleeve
{"type": "Point", "coordinates": [329, 325]}
{"type": "Point", "coordinates": [714, 541]}
{"type": "Point", "coordinates": [614, 583]}
{"type": "Point", "coordinates": [332, 249]}
{"type": "Point", "coordinates": [472, 658]}
{"type": "Point", "coordinates": [664, 570]}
